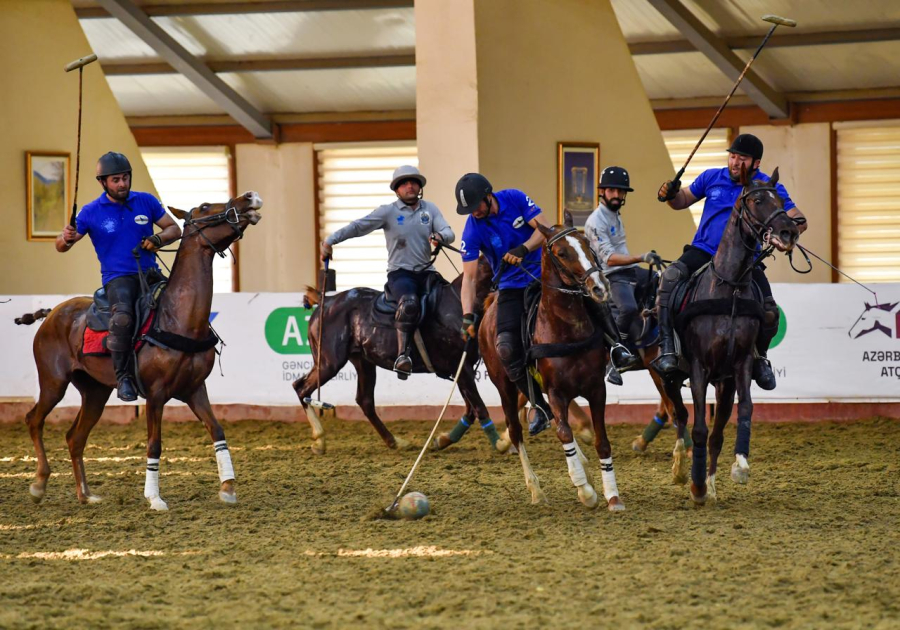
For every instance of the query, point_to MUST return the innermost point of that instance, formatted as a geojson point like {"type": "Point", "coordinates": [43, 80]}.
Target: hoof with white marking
{"type": "Point", "coordinates": [403, 445]}
{"type": "Point", "coordinates": [91, 498]}
{"type": "Point", "coordinates": [680, 465]}
{"type": "Point", "coordinates": [615, 505]}
{"type": "Point", "coordinates": [37, 492]}
{"type": "Point", "coordinates": [698, 499]}
{"type": "Point", "coordinates": [503, 445]}
{"type": "Point", "coordinates": [588, 496]}
{"type": "Point", "coordinates": [740, 470]}
{"type": "Point", "coordinates": [228, 497]}
{"type": "Point", "coordinates": [711, 496]}
{"type": "Point", "coordinates": [639, 445]}
{"type": "Point", "coordinates": [158, 504]}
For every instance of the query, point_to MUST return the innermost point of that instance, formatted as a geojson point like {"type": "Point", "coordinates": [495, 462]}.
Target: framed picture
{"type": "Point", "coordinates": [578, 173]}
{"type": "Point", "coordinates": [47, 194]}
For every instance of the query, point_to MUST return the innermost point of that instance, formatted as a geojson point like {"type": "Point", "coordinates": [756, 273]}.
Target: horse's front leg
{"type": "Point", "coordinates": [199, 404]}
{"type": "Point", "coordinates": [740, 469]}
{"type": "Point", "coordinates": [575, 459]}
{"type": "Point", "coordinates": [700, 433]}
{"type": "Point", "coordinates": [154, 451]}
{"type": "Point", "coordinates": [724, 405]}
{"type": "Point", "coordinates": [680, 466]}
{"type": "Point", "coordinates": [597, 402]}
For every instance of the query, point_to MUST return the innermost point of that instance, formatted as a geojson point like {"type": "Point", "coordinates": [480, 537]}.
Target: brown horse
{"type": "Point", "coordinates": [719, 347]}
{"type": "Point", "coordinates": [352, 335]}
{"type": "Point", "coordinates": [569, 273]}
{"type": "Point", "coordinates": [183, 310]}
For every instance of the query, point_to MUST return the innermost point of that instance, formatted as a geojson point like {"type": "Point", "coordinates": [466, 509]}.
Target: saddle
{"type": "Point", "coordinates": [384, 308]}
{"type": "Point", "coordinates": [535, 351]}
{"type": "Point", "coordinates": [645, 296]}
{"type": "Point", "coordinates": [684, 308]}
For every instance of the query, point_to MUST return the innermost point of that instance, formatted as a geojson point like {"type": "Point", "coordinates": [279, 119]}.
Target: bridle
{"type": "Point", "coordinates": [229, 215]}
{"type": "Point", "coordinates": [565, 272]}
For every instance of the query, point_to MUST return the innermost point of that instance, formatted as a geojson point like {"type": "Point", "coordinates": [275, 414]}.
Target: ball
{"type": "Point", "coordinates": [413, 505]}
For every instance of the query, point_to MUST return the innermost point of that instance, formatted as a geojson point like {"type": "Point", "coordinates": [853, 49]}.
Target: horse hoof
{"type": "Point", "coordinates": [680, 467]}
{"type": "Point", "coordinates": [441, 442]}
{"type": "Point", "coordinates": [711, 496]}
{"type": "Point", "coordinates": [639, 445]}
{"type": "Point", "coordinates": [227, 497]}
{"type": "Point", "coordinates": [37, 492]}
{"type": "Point", "coordinates": [588, 496]}
{"type": "Point", "coordinates": [318, 446]}
{"type": "Point", "coordinates": [740, 474]}
{"type": "Point", "coordinates": [503, 445]}
{"type": "Point", "coordinates": [586, 436]}
{"type": "Point", "coordinates": [90, 499]}
{"type": "Point", "coordinates": [698, 499]}
{"type": "Point", "coordinates": [158, 504]}
{"type": "Point", "coordinates": [615, 505]}
{"type": "Point", "coordinates": [402, 445]}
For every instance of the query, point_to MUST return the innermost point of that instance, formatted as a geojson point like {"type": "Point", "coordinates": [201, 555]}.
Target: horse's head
{"type": "Point", "coordinates": [875, 317]}
{"type": "Point", "coordinates": [571, 256]}
{"type": "Point", "coordinates": [220, 224]}
{"type": "Point", "coordinates": [761, 210]}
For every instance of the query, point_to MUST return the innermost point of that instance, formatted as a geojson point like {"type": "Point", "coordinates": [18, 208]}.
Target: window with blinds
{"type": "Point", "coordinates": [711, 154]}
{"type": "Point", "coordinates": [868, 202]}
{"type": "Point", "coordinates": [186, 177]}
{"type": "Point", "coordinates": [354, 179]}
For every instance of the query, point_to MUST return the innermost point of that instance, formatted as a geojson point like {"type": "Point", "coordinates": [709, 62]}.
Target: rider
{"type": "Point", "coordinates": [117, 221]}
{"type": "Point", "coordinates": [606, 233]}
{"type": "Point", "coordinates": [409, 224]}
{"type": "Point", "coordinates": [503, 226]}
{"type": "Point", "coordinates": [721, 188]}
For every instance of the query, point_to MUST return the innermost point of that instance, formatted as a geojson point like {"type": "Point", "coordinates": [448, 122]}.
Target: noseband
{"type": "Point", "coordinates": [230, 215]}
{"type": "Point", "coordinates": [759, 229]}
{"type": "Point", "coordinates": [580, 282]}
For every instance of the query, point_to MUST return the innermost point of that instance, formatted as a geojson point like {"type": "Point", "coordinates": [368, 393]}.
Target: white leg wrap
{"type": "Point", "coordinates": [151, 483]}
{"type": "Point", "coordinates": [610, 489]}
{"type": "Point", "coordinates": [223, 460]}
{"type": "Point", "coordinates": [573, 461]}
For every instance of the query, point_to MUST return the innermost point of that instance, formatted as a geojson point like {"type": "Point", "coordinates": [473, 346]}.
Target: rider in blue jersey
{"type": "Point", "coordinates": [118, 221]}
{"type": "Point", "coordinates": [721, 188]}
{"type": "Point", "coordinates": [502, 225]}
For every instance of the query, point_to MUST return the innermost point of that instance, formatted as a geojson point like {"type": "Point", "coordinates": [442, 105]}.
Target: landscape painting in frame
{"type": "Point", "coordinates": [577, 177]}
{"type": "Point", "coordinates": [47, 194]}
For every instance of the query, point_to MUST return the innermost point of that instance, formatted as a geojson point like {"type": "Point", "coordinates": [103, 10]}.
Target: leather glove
{"type": "Point", "coordinates": [515, 255]}
{"type": "Point", "coordinates": [468, 327]}
{"type": "Point", "coordinates": [325, 250]}
{"type": "Point", "coordinates": [436, 239]}
{"type": "Point", "coordinates": [668, 190]}
{"type": "Point", "coordinates": [652, 258]}
{"type": "Point", "coordinates": [155, 242]}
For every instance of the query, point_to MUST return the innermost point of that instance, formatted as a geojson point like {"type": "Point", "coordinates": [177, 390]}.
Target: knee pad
{"type": "Point", "coordinates": [674, 273]}
{"type": "Point", "coordinates": [771, 314]}
{"type": "Point", "coordinates": [506, 347]}
{"type": "Point", "coordinates": [408, 309]}
{"type": "Point", "coordinates": [121, 321]}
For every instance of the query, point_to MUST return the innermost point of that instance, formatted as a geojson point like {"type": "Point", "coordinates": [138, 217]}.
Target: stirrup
{"type": "Point", "coordinates": [126, 390]}
{"type": "Point", "coordinates": [403, 374]}
{"type": "Point", "coordinates": [763, 374]}
{"type": "Point", "coordinates": [539, 421]}
{"type": "Point", "coordinates": [657, 364]}
{"type": "Point", "coordinates": [612, 375]}
{"type": "Point", "coordinates": [629, 360]}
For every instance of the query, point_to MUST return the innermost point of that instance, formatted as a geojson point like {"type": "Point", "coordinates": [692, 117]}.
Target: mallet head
{"type": "Point", "coordinates": [780, 21]}
{"type": "Point", "coordinates": [80, 63]}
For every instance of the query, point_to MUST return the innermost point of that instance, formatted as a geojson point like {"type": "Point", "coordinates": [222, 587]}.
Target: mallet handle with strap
{"type": "Point", "coordinates": [79, 65]}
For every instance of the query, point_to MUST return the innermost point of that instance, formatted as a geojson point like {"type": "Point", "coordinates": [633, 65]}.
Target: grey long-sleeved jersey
{"type": "Point", "coordinates": [606, 233]}
{"type": "Point", "coordinates": [406, 231]}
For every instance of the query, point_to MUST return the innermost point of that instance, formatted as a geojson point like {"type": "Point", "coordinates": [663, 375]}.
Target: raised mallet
{"type": "Point", "coordinates": [79, 65]}
{"type": "Point", "coordinates": [776, 21]}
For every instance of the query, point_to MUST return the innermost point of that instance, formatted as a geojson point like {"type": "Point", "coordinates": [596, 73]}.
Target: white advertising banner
{"type": "Point", "coordinates": [836, 343]}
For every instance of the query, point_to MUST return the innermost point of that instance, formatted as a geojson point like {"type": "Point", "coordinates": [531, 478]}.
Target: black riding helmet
{"type": "Point", "coordinates": [747, 144]}
{"type": "Point", "coordinates": [112, 163]}
{"type": "Point", "coordinates": [471, 189]}
{"type": "Point", "coordinates": [615, 177]}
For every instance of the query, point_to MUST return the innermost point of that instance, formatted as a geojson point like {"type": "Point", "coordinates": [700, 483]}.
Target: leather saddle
{"type": "Point", "coordinates": [645, 296]}
{"type": "Point", "coordinates": [98, 315]}
{"type": "Point", "coordinates": [684, 308]}
{"type": "Point", "coordinates": [384, 308]}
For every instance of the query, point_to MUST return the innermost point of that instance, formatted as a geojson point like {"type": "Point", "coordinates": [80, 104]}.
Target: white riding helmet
{"type": "Point", "coordinates": [407, 172]}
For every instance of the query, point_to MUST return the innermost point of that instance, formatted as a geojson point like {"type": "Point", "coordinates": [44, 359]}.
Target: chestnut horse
{"type": "Point", "coordinates": [719, 347]}
{"type": "Point", "coordinates": [183, 310]}
{"type": "Point", "coordinates": [569, 273]}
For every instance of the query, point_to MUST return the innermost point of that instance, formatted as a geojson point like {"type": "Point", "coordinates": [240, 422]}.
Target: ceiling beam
{"type": "Point", "coordinates": [705, 41]}
{"type": "Point", "coordinates": [260, 6]}
{"type": "Point", "coordinates": [776, 41]}
{"type": "Point", "coordinates": [192, 68]}
{"type": "Point", "coordinates": [266, 65]}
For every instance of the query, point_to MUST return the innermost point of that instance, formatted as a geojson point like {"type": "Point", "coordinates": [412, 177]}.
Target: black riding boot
{"type": "Point", "coordinates": [126, 389]}
{"type": "Point", "coordinates": [403, 364]}
{"type": "Point", "coordinates": [667, 361]}
{"type": "Point", "coordinates": [621, 357]}
{"type": "Point", "coordinates": [762, 368]}
{"type": "Point", "coordinates": [543, 415]}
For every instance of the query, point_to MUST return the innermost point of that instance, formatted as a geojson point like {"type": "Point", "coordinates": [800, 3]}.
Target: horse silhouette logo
{"type": "Point", "coordinates": [883, 318]}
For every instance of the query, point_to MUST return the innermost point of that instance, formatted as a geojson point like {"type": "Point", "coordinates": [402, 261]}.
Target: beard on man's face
{"type": "Point", "coordinates": [614, 204]}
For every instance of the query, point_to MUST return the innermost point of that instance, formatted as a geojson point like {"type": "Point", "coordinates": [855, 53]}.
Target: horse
{"type": "Point", "coordinates": [718, 345]}
{"type": "Point", "coordinates": [163, 373]}
{"type": "Point", "coordinates": [351, 334]}
{"type": "Point", "coordinates": [569, 273]}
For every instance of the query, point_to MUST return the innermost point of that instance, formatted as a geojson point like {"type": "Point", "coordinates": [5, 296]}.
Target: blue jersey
{"type": "Point", "coordinates": [117, 228]}
{"type": "Point", "coordinates": [496, 234]}
{"type": "Point", "coordinates": [721, 193]}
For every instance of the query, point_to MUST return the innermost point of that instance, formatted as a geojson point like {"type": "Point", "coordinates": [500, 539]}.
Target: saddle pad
{"type": "Point", "coordinates": [94, 345]}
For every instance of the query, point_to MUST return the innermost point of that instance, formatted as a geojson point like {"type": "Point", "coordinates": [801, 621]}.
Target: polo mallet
{"type": "Point", "coordinates": [78, 64]}
{"type": "Point", "coordinates": [314, 407]}
{"type": "Point", "coordinates": [776, 21]}
{"type": "Point", "coordinates": [388, 512]}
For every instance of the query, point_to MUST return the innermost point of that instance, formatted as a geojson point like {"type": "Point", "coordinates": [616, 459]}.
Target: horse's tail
{"type": "Point", "coordinates": [310, 296]}
{"type": "Point", "coordinates": [29, 318]}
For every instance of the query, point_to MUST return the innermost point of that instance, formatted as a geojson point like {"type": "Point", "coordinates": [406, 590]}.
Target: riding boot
{"type": "Point", "coordinates": [126, 389]}
{"type": "Point", "coordinates": [403, 364]}
{"type": "Point", "coordinates": [667, 361]}
{"type": "Point", "coordinates": [762, 368]}
{"type": "Point", "coordinates": [542, 414]}
{"type": "Point", "coordinates": [622, 358]}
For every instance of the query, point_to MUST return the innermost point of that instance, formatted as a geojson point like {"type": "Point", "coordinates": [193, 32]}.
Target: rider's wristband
{"type": "Point", "coordinates": [519, 252]}
{"type": "Point", "coordinates": [468, 319]}
{"type": "Point", "coordinates": [155, 240]}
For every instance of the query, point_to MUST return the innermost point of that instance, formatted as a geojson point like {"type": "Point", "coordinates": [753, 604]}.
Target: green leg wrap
{"type": "Point", "coordinates": [458, 431]}
{"type": "Point", "coordinates": [487, 425]}
{"type": "Point", "coordinates": [652, 430]}
{"type": "Point", "coordinates": [688, 442]}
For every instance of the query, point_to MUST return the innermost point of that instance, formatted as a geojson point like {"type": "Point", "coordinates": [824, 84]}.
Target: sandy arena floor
{"type": "Point", "coordinates": [813, 541]}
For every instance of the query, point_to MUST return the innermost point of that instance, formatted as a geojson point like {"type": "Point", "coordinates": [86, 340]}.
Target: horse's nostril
{"type": "Point", "coordinates": [787, 236]}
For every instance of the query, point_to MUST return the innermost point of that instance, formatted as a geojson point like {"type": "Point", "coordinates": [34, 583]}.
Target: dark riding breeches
{"type": "Point", "coordinates": [622, 286]}
{"type": "Point", "coordinates": [510, 308]}
{"type": "Point", "coordinates": [405, 287]}
{"type": "Point", "coordinates": [122, 292]}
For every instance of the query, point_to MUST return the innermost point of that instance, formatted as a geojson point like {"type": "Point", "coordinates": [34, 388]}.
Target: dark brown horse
{"type": "Point", "coordinates": [183, 310]}
{"type": "Point", "coordinates": [569, 273]}
{"type": "Point", "coordinates": [719, 347]}
{"type": "Point", "coordinates": [351, 335]}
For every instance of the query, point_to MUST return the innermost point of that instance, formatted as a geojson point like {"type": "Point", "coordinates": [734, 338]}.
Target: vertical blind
{"type": "Point", "coordinates": [711, 154]}
{"type": "Point", "coordinates": [868, 202]}
{"type": "Point", "coordinates": [353, 181]}
{"type": "Point", "coordinates": [187, 177]}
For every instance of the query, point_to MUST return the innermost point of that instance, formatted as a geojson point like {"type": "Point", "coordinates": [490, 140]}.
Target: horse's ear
{"type": "Point", "coordinates": [546, 231]}
{"type": "Point", "coordinates": [774, 180]}
{"type": "Point", "coordinates": [568, 221]}
{"type": "Point", "coordinates": [179, 214]}
{"type": "Point", "coordinates": [868, 306]}
{"type": "Point", "coordinates": [744, 180]}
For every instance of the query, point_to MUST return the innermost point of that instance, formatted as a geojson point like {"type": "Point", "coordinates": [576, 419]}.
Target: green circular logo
{"type": "Point", "coordinates": [782, 329]}
{"type": "Point", "coordinates": [287, 330]}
